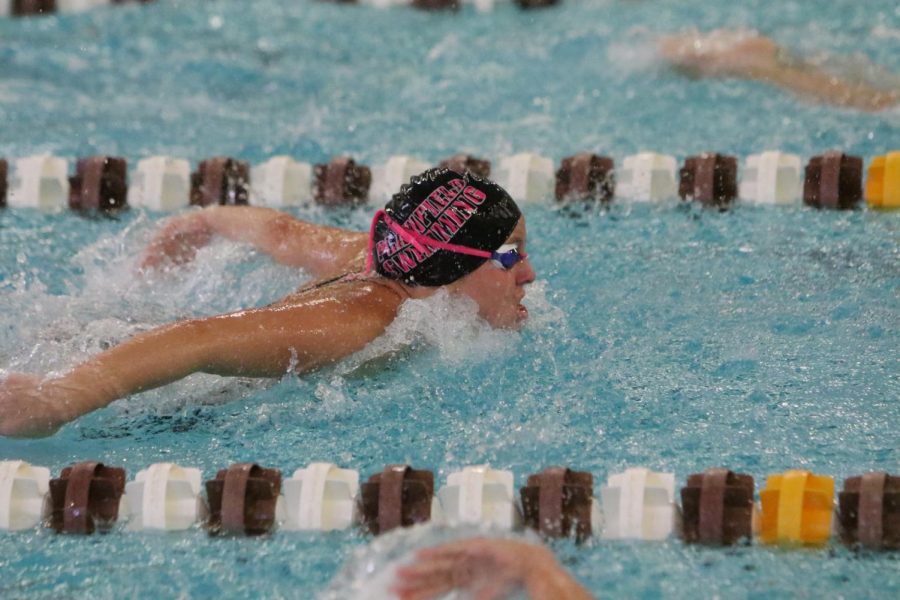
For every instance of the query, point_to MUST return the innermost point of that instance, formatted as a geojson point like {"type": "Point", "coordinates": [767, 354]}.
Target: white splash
{"type": "Point", "coordinates": [448, 323]}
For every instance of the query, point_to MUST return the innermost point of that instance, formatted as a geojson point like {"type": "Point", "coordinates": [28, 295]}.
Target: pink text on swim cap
{"type": "Point", "coordinates": [440, 216]}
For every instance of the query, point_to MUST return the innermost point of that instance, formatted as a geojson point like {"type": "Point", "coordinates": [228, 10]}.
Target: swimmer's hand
{"type": "Point", "coordinates": [177, 241]}
{"type": "Point", "coordinates": [30, 408]}
{"type": "Point", "coordinates": [720, 53]}
{"type": "Point", "coordinates": [487, 569]}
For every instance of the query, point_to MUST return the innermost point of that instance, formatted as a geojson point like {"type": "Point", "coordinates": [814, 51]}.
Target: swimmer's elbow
{"type": "Point", "coordinates": [199, 344]}
{"type": "Point", "coordinates": [279, 238]}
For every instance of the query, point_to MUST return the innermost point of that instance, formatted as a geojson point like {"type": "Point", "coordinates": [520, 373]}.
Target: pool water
{"type": "Point", "coordinates": [671, 337]}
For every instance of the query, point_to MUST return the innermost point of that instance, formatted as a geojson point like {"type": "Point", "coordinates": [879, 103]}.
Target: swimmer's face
{"type": "Point", "coordinates": [499, 291]}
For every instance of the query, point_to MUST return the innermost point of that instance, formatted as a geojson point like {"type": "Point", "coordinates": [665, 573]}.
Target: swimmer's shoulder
{"type": "Point", "coordinates": [367, 291]}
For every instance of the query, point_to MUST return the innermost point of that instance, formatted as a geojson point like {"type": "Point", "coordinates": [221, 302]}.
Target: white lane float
{"type": "Point", "coordinates": [165, 497]}
{"type": "Point", "coordinates": [639, 504]}
{"type": "Point", "coordinates": [647, 177]}
{"type": "Point", "coordinates": [281, 181]}
{"type": "Point", "coordinates": [528, 177]}
{"type": "Point", "coordinates": [161, 183]}
{"type": "Point", "coordinates": [480, 495]}
{"type": "Point", "coordinates": [23, 494]}
{"type": "Point", "coordinates": [387, 178]}
{"type": "Point", "coordinates": [320, 497]}
{"type": "Point", "coordinates": [385, 3]}
{"type": "Point", "coordinates": [482, 6]}
{"type": "Point", "coordinates": [79, 5]}
{"type": "Point", "coordinates": [771, 177]}
{"type": "Point", "coordinates": [41, 182]}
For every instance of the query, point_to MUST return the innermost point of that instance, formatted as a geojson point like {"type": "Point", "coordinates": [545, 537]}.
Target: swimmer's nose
{"type": "Point", "coordinates": [524, 272]}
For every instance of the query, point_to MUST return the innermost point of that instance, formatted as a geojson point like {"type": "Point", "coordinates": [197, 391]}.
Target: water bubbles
{"type": "Point", "coordinates": [542, 312]}
{"type": "Point", "coordinates": [448, 324]}
{"type": "Point", "coordinates": [333, 396]}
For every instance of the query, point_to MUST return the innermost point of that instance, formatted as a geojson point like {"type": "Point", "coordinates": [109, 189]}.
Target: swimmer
{"type": "Point", "coordinates": [487, 569]}
{"type": "Point", "coordinates": [749, 55]}
{"type": "Point", "coordinates": [443, 230]}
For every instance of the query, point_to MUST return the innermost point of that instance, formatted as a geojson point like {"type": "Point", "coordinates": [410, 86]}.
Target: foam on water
{"type": "Point", "coordinates": [449, 324]}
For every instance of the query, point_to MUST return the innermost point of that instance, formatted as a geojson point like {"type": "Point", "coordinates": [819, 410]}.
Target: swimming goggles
{"type": "Point", "coordinates": [506, 256]}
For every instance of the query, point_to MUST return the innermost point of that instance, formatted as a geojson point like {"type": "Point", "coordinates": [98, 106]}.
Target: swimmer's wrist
{"type": "Point", "coordinates": [82, 391]}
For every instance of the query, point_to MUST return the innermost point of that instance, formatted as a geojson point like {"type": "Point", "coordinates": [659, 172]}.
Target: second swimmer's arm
{"type": "Point", "coordinates": [319, 249]}
{"type": "Point", "coordinates": [724, 53]}
{"type": "Point", "coordinates": [810, 81]}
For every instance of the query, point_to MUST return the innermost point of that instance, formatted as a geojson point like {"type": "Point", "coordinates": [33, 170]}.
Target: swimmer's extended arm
{"type": "Point", "coordinates": [811, 82]}
{"type": "Point", "coordinates": [318, 249]}
{"type": "Point", "coordinates": [487, 568]}
{"type": "Point", "coordinates": [749, 55]}
{"type": "Point", "coordinates": [266, 342]}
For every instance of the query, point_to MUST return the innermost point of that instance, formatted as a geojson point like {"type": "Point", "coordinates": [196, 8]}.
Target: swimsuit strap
{"type": "Point", "coordinates": [351, 277]}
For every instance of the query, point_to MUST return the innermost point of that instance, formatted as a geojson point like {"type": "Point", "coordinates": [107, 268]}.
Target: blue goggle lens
{"type": "Point", "coordinates": [508, 259]}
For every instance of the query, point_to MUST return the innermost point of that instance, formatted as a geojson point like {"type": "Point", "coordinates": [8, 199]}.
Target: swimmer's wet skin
{"type": "Point", "coordinates": [749, 55]}
{"type": "Point", "coordinates": [443, 230]}
{"type": "Point", "coordinates": [487, 568]}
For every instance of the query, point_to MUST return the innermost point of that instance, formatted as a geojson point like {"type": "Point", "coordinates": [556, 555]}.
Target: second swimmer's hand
{"type": "Point", "coordinates": [28, 409]}
{"type": "Point", "coordinates": [487, 569]}
{"type": "Point", "coordinates": [177, 241]}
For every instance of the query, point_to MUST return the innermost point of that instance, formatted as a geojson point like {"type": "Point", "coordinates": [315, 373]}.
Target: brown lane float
{"type": "Point", "coordinates": [833, 180]}
{"type": "Point", "coordinates": [709, 178]}
{"type": "Point", "coordinates": [100, 183]}
{"type": "Point", "coordinates": [558, 500]}
{"type": "Point", "coordinates": [220, 180]}
{"type": "Point", "coordinates": [536, 3]}
{"type": "Point", "coordinates": [399, 496]}
{"type": "Point", "coordinates": [242, 500]}
{"type": "Point", "coordinates": [24, 8]}
{"type": "Point", "coordinates": [585, 176]}
{"type": "Point", "coordinates": [717, 507]}
{"type": "Point", "coordinates": [869, 511]}
{"type": "Point", "coordinates": [86, 498]}
{"type": "Point", "coordinates": [436, 4]}
{"type": "Point", "coordinates": [342, 181]}
{"type": "Point", "coordinates": [4, 174]}
{"type": "Point", "coordinates": [461, 163]}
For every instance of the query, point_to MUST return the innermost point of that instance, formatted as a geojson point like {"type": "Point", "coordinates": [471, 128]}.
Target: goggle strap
{"type": "Point", "coordinates": [418, 240]}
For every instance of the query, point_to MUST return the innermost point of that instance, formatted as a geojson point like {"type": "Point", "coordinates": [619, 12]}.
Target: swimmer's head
{"type": "Point", "coordinates": [440, 227]}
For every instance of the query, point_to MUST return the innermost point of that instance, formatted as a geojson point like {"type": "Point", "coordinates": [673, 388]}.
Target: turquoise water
{"type": "Point", "coordinates": [678, 339]}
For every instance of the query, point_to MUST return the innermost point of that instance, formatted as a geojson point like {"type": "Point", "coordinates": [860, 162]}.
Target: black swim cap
{"type": "Point", "coordinates": [443, 205]}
